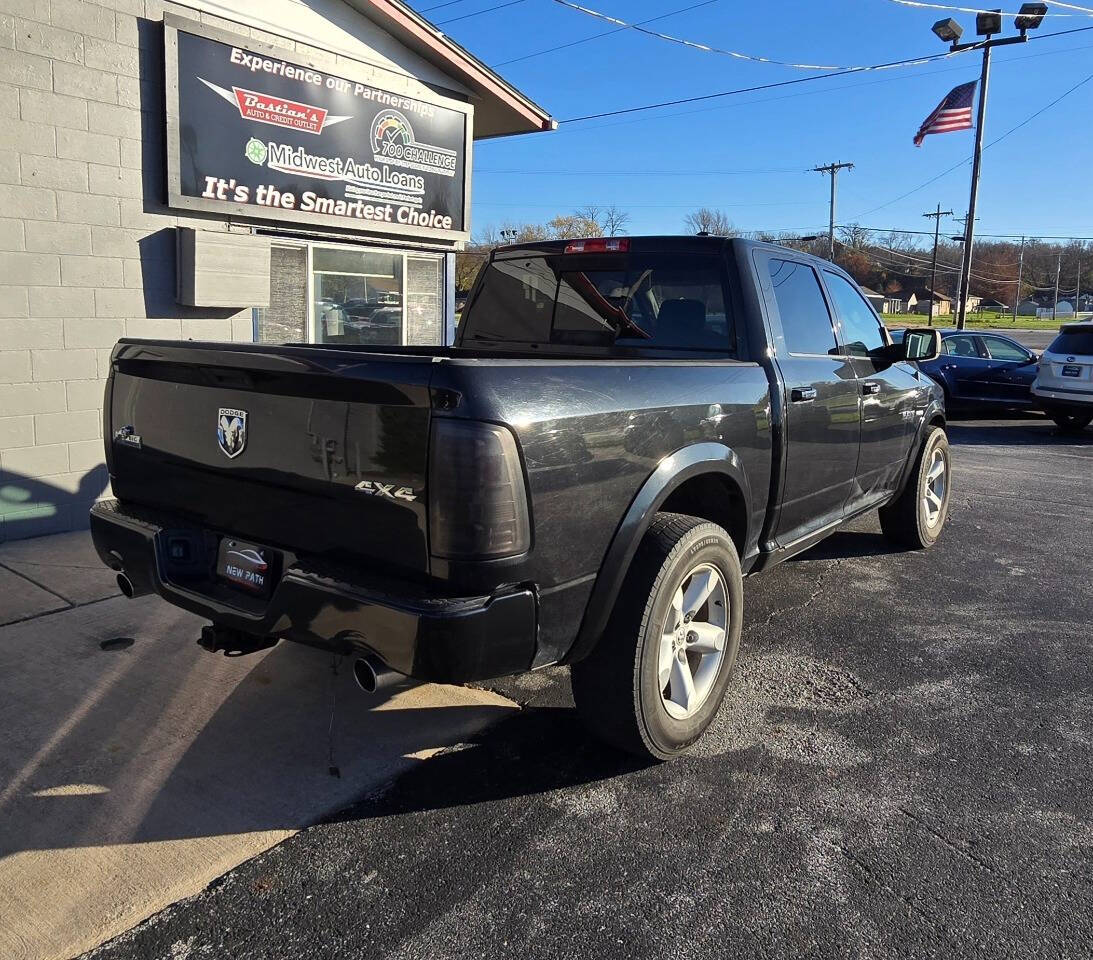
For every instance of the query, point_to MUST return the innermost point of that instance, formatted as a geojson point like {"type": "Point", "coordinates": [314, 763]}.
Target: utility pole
{"type": "Point", "coordinates": [1078, 289]}
{"type": "Point", "coordinates": [832, 169]}
{"type": "Point", "coordinates": [1058, 270]}
{"type": "Point", "coordinates": [1020, 277]}
{"type": "Point", "coordinates": [937, 215]}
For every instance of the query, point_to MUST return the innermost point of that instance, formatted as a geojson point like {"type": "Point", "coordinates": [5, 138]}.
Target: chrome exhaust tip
{"type": "Point", "coordinates": [373, 675]}
{"type": "Point", "coordinates": [125, 585]}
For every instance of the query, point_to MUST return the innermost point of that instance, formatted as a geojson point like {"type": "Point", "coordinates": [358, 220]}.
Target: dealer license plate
{"type": "Point", "coordinates": [245, 565]}
{"type": "Point", "coordinates": [1072, 370]}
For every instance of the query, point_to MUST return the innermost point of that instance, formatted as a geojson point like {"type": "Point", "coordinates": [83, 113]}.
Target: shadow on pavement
{"type": "Point", "coordinates": [533, 752]}
{"type": "Point", "coordinates": [849, 543]}
{"type": "Point", "coordinates": [1014, 431]}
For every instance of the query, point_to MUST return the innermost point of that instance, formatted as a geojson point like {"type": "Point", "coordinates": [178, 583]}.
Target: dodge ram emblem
{"type": "Point", "coordinates": [231, 431]}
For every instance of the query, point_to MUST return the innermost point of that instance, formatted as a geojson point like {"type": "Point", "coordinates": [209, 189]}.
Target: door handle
{"type": "Point", "coordinates": [870, 387]}
{"type": "Point", "coordinates": [802, 394]}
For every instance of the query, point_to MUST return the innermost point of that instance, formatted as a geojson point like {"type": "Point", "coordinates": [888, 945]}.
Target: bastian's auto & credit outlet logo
{"type": "Point", "coordinates": [277, 111]}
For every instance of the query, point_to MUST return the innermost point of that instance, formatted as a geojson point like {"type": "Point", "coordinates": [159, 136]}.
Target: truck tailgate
{"type": "Point", "coordinates": [322, 427]}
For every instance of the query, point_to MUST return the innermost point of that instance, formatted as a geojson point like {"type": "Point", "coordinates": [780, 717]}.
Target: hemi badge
{"type": "Point", "coordinates": [128, 437]}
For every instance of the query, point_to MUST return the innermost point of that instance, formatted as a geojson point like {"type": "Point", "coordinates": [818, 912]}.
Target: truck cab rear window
{"type": "Point", "coordinates": [653, 300]}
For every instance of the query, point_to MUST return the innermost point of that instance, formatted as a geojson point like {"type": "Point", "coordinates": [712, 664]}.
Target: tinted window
{"type": "Point", "coordinates": [1077, 342]}
{"type": "Point", "coordinates": [962, 346]}
{"type": "Point", "coordinates": [1001, 349]}
{"type": "Point", "coordinates": [654, 300]}
{"type": "Point", "coordinates": [516, 303]}
{"type": "Point", "coordinates": [806, 322]}
{"type": "Point", "coordinates": [860, 327]}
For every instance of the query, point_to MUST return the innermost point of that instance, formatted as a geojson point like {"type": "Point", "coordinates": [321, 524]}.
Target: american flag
{"type": "Point", "coordinates": [953, 113]}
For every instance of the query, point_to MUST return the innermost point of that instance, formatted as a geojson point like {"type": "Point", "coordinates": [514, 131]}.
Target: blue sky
{"type": "Point", "coordinates": [748, 155]}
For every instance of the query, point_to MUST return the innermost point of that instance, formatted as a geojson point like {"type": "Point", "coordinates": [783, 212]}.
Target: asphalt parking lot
{"type": "Point", "coordinates": [901, 769]}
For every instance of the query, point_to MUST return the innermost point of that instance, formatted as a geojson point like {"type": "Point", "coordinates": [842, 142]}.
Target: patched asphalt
{"type": "Point", "coordinates": [901, 769]}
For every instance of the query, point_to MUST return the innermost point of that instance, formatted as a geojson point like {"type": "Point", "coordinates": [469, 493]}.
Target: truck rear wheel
{"type": "Point", "coordinates": [916, 517]}
{"type": "Point", "coordinates": [654, 681]}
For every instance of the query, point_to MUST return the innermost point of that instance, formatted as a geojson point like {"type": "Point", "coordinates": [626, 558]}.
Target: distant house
{"type": "Point", "coordinates": [919, 302]}
{"type": "Point", "coordinates": [876, 299]}
{"type": "Point", "coordinates": [1027, 308]}
{"type": "Point", "coordinates": [996, 306]}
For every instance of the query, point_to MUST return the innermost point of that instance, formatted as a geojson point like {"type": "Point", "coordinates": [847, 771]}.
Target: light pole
{"type": "Point", "coordinates": [987, 24]}
{"type": "Point", "coordinates": [937, 215]}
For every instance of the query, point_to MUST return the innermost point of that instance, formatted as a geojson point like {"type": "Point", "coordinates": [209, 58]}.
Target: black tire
{"type": "Point", "coordinates": [617, 687]}
{"type": "Point", "coordinates": [1071, 421]}
{"type": "Point", "coordinates": [905, 521]}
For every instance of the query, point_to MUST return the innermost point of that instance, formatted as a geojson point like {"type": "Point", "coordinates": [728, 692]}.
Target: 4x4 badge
{"type": "Point", "coordinates": [231, 431]}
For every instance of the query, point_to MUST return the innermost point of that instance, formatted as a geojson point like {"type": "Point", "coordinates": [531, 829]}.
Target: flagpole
{"type": "Point", "coordinates": [964, 288]}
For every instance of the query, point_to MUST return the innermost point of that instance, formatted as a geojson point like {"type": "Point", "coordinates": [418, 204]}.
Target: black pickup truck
{"type": "Point", "coordinates": [624, 428]}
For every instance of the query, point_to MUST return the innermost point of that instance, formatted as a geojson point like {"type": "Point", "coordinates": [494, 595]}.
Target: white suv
{"type": "Point", "coordinates": [1064, 380]}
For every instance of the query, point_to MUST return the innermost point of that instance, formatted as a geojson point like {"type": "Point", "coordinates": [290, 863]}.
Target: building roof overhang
{"type": "Point", "coordinates": [500, 109]}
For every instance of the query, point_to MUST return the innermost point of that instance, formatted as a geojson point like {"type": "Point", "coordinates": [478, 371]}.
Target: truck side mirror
{"type": "Point", "coordinates": [921, 343]}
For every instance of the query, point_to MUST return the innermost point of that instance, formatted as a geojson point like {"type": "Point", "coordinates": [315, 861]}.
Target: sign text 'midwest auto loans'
{"type": "Point", "coordinates": [295, 142]}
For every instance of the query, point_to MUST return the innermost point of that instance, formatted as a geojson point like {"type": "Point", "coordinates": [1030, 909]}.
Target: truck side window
{"type": "Point", "coordinates": [519, 302]}
{"type": "Point", "coordinates": [861, 332]}
{"type": "Point", "coordinates": [806, 322]}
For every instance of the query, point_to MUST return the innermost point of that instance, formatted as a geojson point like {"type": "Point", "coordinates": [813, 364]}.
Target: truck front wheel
{"type": "Point", "coordinates": [655, 679]}
{"type": "Point", "coordinates": [916, 517]}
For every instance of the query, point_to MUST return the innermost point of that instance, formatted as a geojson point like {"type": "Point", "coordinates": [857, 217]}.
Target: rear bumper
{"type": "Point", "coordinates": [443, 639]}
{"type": "Point", "coordinates": [1058, 397]}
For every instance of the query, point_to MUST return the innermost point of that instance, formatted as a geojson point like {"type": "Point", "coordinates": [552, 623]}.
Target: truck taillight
{"type": "Point", "coordinates": [478, 508]}
{"type": "Point", "coordinates": [599, 245]}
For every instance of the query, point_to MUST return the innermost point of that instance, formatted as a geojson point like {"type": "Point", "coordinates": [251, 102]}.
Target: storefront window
{"type": "Point", "coordinates": [372, 297]}
{"type": "Point", "coordinates": [358, 296]}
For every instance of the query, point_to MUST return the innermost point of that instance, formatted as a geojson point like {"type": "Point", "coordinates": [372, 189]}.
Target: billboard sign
{"type": "Point", "coordinates": [252, 134]}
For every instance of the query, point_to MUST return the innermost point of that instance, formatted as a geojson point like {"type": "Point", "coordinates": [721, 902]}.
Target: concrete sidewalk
{"type": "Point", "coordinates": [135, 768]}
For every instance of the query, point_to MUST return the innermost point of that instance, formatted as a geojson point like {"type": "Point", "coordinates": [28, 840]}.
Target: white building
{"type": "Point", "coordinates": [217, 171]}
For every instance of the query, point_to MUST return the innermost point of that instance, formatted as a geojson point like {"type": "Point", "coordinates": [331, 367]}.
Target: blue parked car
{"type": "Point", "coordinates": [981, 369]}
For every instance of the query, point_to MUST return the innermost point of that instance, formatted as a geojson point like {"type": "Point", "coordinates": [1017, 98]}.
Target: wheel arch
{"type": "Point", "coordinates": [691, 480]}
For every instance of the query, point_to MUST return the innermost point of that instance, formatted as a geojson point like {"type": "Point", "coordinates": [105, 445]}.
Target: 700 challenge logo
{"type": "Point", "coordinates": [393, 142]}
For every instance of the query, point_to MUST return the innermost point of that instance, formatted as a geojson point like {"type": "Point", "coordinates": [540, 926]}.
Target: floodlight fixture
{"type": "Point", "coordinates": [1030, 16]}
{"type": "Point", "coordinates": [988, 23]}
{"type": "Point", "coordinates": [948, 31]}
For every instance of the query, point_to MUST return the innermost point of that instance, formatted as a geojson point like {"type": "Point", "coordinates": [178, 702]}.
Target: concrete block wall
{"type": "Point", "coordinates": [86, 243]}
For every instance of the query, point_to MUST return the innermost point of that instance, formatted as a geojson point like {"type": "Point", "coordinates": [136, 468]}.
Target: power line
{"type": "Point", "coordinates": [787, 83]}
{"type": "Point", "coordinates": [731, 93]}
{"type": "Point", "coordinates": [643, 173]}
{"type": "Point", "coordinates": [999, 139]}
{"type": "Point", "coordinates": [808, 93]}
{"type": "Point", "coordinates": [478, 13]}
{"type": "Point", "coordinates": [736, 54]}
{"type": "Point", "coordinates": [605, 33]}
{"type": "Point", "coordinates": [437, 6]}
{"type": "Point", "coordinates": [1086, 11]}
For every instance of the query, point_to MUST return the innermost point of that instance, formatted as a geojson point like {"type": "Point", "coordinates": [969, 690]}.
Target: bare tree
{"type": "Point", "coordinates": [614, 221]}
{"type": "Point", "coordinates": [855, 236]}
{"type": "Point", "coordinates": [708, 220]}
{"type": "Point", "coordinates": [591, 212]}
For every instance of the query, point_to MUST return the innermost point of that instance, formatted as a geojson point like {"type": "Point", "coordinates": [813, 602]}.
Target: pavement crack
{"type": "Point", "coordinates": [38, 584]}
{"type": "Point", "coordinates": [809, 600]}
{"type": "Point", "coordinates": [946, 842]}
{"type": "Point", "coordinates": [878, 881]}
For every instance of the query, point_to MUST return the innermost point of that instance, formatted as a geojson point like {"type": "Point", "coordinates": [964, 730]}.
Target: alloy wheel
{"type": "Point", "coordinates": [692, 643]}
{"type": "Point", "coordinates": [933, 491]}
